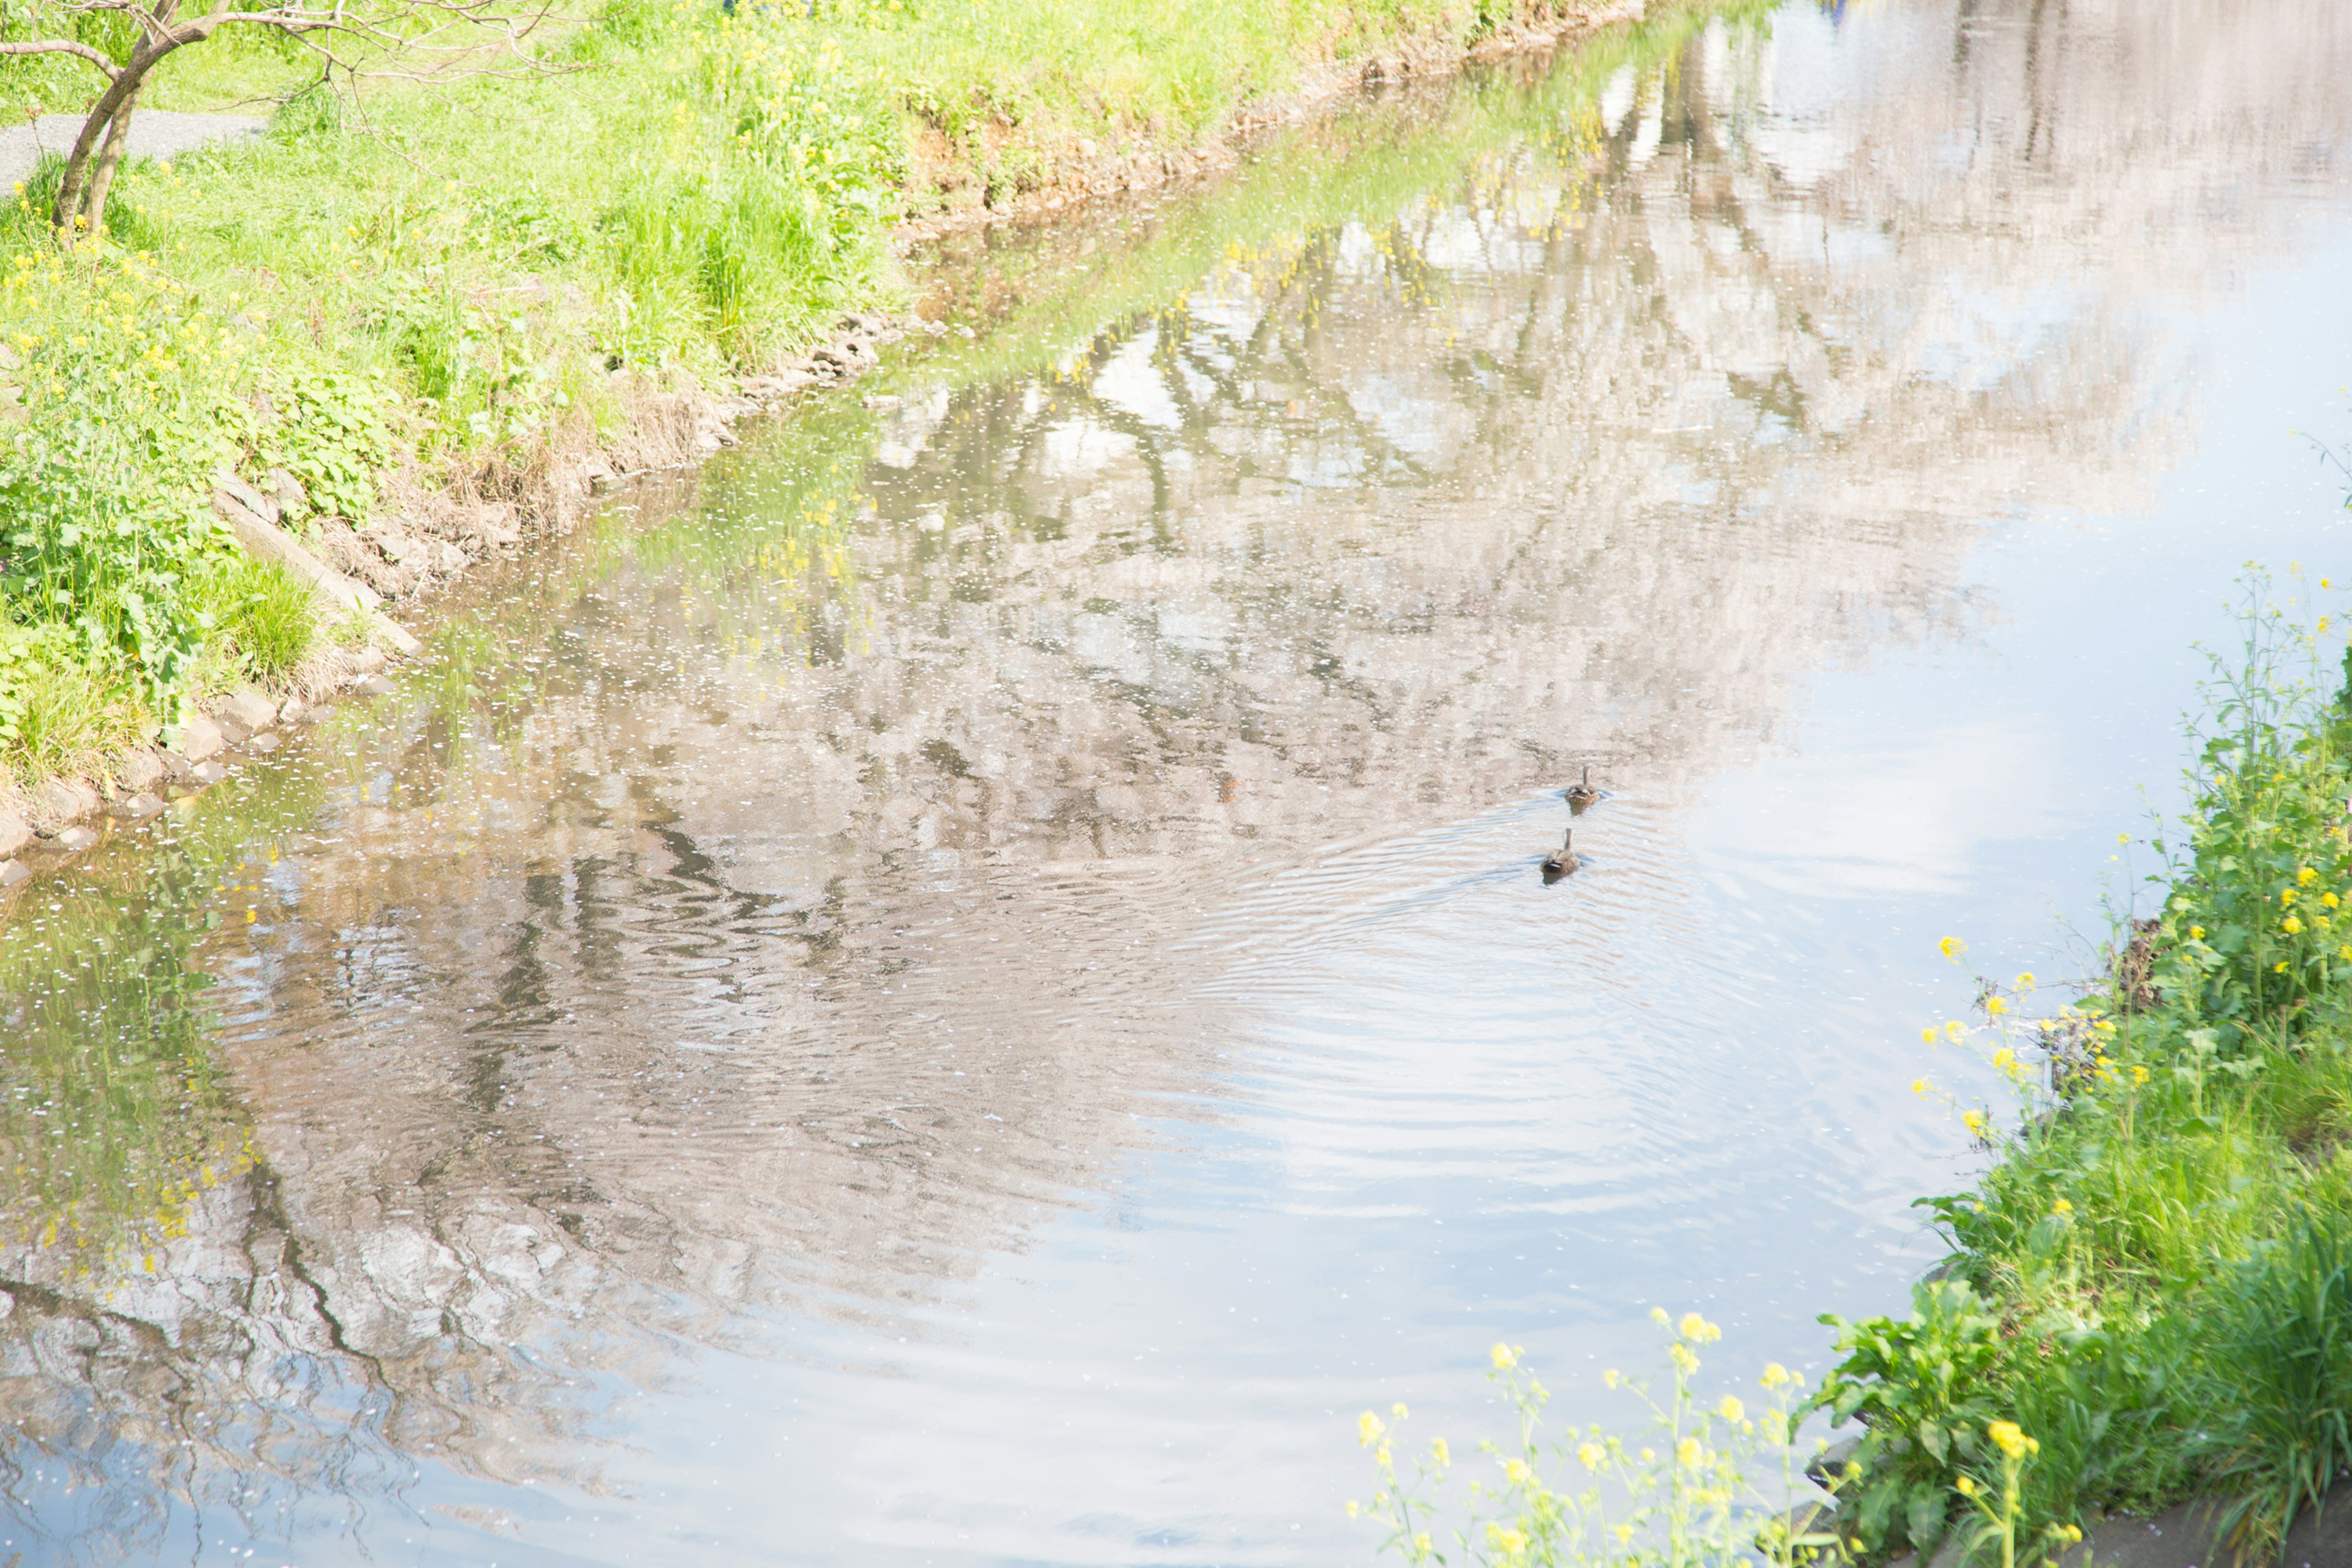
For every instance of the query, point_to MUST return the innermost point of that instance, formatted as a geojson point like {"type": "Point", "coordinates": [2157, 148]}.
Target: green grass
{"type": "Point", "coordinates": [2154, 1279]}
{"type": "Point", "coordinates": [271, 618]}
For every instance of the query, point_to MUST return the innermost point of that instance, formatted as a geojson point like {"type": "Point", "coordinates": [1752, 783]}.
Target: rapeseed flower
{"type": "Point", "coordinates": [1731, 1409]}
{"type": "Point", "coordinates": [1952, 947]}
{"type": "Point", "coordinates": [2012, 1440]}
{"type": "Point", "coordinates": [1505, 1358]}
{"type": "Point", "coordinates": [1368, 1427]}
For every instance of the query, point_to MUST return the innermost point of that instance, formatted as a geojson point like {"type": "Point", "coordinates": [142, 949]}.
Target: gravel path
{"type": "Point", "coordinates": [154, 134]}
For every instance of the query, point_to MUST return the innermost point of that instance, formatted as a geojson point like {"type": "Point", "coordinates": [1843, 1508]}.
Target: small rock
{"type": "Point", "coordinates": [964, 331]}
{"type": "Point", "coordinates": [14, 833]}
{"type": "Point", "coordinates": [77, 838]}
{"type": "Point", "coordinates": [246, 706]}
{"type": "Point", "coordinates": [372, 686]}
{"type": "Point", "coordinates": [395, 548]}
{"type": "Point", "coordinates": [139, 768]}
{"type": "Point", "coordinates": [207, 774]}
{"type": "Point", "coordinates": [1085, 146]}
{"type": "Point", "coordinates": [266, 743]}
{"type": "Point", "coordinates": [1829, 1464]}
{"type": "Point", "coordinates": [491, 526]}
{"type": "Point", "coordinates": [293, 500]}
{"type": "Point", "coordinates": [228, 485]}
{"type": "Point", "coordinates": [452, 559]}
{"type": "Point", "coordinates": [234, 734]}
{"type": "Point", "coordinates": [708, 441]}
{"type": "Point", "coordinates": [293, 711]}
{"type": "Point", "coordinates": [884, 402]}
{"type": "Point", "coordinates": [13, 872]}
{"type": "Point", "coordinates": [138, 807]}
{"type": "Point", "coordinates": [63, 800]}
{"type": "Point", "coordinates": [366, 660]}
{"type": "Point", "coordinates": [199, 738]}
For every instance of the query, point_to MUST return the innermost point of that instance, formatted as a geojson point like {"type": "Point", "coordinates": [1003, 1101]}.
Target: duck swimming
{"type": "Point", "coordinates": [1582, 793]}
{"type": "Point", "coordinates": [1562, 860]}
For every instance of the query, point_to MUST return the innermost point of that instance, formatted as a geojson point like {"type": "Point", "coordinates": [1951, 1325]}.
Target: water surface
{"type": "Point", "coordinates": [966, 983]}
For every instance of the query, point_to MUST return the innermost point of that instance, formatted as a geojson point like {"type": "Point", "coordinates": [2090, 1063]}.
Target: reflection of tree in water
{"type": "Point", "coordinates": [643, 982]}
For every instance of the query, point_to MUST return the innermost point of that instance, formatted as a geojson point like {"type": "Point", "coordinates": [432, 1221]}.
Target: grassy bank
{"type": "Point", "coordinates": [2154, 1279]}
{"type": "Point", "coordinates": [2148, 1297]}
{"type": "Point", "coordinates": [415, 301]}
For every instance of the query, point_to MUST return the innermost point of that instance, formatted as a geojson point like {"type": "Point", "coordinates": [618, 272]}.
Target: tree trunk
{"type": "Point", "coordinates": [116, 101]}
{"type": "Point", "coordinates": [109, 158]}
{"type": "Point", "coordinates": [71, 188]}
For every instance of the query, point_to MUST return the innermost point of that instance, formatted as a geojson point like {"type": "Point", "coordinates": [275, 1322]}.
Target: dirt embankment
{"type": "Point", "coordinates": [387, 571]}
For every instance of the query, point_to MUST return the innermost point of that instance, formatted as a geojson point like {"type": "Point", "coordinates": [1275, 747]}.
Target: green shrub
{"type": "Point", "coordinates": [1918, 1383]}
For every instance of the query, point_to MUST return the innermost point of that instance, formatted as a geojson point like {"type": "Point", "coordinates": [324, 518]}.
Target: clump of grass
{"type": "Point", "coordinates": [2162, 1251]}
{"type": "Point", "coordinates": [270, 615]}
{"type": "Point", "coordinates": [56, 717]}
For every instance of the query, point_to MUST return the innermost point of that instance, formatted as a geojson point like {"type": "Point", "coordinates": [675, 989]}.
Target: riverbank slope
{"type": "Point", "coordinates": [412, 325]}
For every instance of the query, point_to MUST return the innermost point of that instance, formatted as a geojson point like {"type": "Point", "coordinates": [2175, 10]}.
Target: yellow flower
{"type": "Point", "coordinates": [2140, 1074]}
{"type": "Point", "coordinates": [2197, 933]}
{"type": "Point", "coordinates": [1952, 947]}
{"type": "Point", "coordinates": [1697, 1330]}
{"type": "Point", "coordinates": [1996, 1006]}
{"type": "Point", "coordinates": [1516, 1471]}
{"type": "Point", "coordinates": [1368, 1427]}
{"type": "Point", "coordinates": [2003, 1056]}
{"type": "Point", "coordinates": [1611, 1378]}
{"type": "Point", "coordinates": [1589, 1454]}
{"type": "Point", "coordinates": [2279, 968]}
{"type": "Point", "coordinates": [2286, 897]}
{"type": "Point", "coordinates": [1437, 1446]}
{"type": "Point", "coordinates": [2010, 1439]}
{"type": "Point", "coordinates": [2330, 899]}
{"type": "Point", "coordinates": [1967, 1486]}
{"type": "Point", "coordinates": [1399, 1411]}
{"type": "Point", "coordinates": [1351, 1508]}
{"type": "Point", "coordinates": [2307, 877]}
{"type": "Point", "coordinates": [2292, 926]}
{"type": "Point", "coordinates": [1956, 1031]}
{"type": "Point", "coordinates": [1420, 1541]}
{"type": "Point", "coordinates": [1775, 1376]}
{"type": "Point", "coordinates": [1508, 1541]}
{"type": "Point", "coordinates": [1920, 1086]}
{"type": "Point", "coordinates": [1505, 1358]}
{"type": "Point", "coordinates": [1927, 1037]}
{"type": "Point", "coordinates": [1731, 1409]}
{"type": "Point", "coordinates": [2062, 1206]}
{"type": "Point", "coordinates": [1973, 1121]}
{"type": "Point", "coordinates": [1690, 1453]}
{"type": "Point", "coordinates": [2025, 980]}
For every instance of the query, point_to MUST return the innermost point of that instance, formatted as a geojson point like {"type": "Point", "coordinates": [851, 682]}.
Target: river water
{"type": "Point", "coordinates": [969, 982]}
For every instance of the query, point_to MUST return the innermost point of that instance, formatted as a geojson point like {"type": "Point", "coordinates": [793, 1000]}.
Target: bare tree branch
{"type": "Point", "coordinates": [61, 46]}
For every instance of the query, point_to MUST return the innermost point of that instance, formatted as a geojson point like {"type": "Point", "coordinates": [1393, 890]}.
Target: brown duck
{"type": "Point", "coordinates": [1582, 793]}
{"type": "Point", "coordinates": [1562, 860]}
